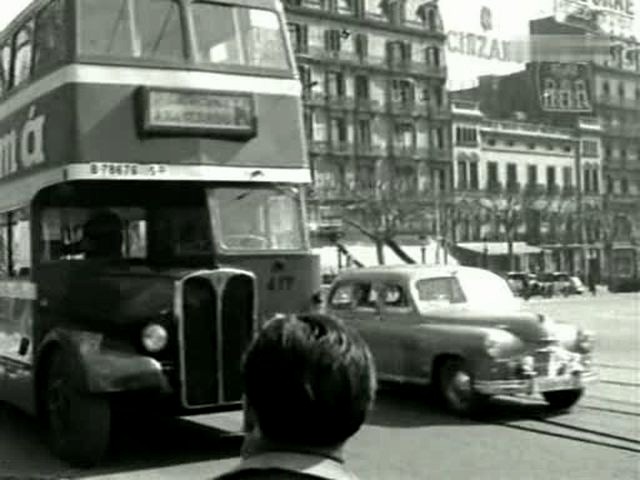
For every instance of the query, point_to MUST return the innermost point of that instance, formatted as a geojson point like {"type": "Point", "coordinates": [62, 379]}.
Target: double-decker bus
{"type": "Point", "coordinates": [152, 168]}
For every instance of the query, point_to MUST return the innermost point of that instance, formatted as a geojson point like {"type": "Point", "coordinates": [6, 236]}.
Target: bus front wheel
{"type": "Point", "coordinates": [78, 423]}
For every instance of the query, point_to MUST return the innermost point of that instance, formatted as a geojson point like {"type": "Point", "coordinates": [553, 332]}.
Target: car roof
{"type": "Point", "coordinates": [403, 272]}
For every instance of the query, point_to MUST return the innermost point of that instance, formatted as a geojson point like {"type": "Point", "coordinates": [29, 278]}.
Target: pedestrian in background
{"type": "Point", "coordinates": [592, 283]}
{"type": "Point", "coordinates": [309, 385]}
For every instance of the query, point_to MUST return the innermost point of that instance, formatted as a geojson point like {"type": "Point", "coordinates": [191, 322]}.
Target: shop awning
{"type": "Point", "coordinates": [500, 248]}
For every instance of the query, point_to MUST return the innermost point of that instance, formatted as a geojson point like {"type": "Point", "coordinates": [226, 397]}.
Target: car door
{"type": "Point", "coordinates": [400, 319]}
{"type": "Point", "coordinates": [357, 303]}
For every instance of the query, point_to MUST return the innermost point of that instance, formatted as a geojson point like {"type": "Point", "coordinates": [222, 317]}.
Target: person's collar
{"type": "Point", "coordinates": [303, 462]}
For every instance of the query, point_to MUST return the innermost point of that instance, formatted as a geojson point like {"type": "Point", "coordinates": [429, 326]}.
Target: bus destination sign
{"type": "Point", "coordinates": [219, 114]}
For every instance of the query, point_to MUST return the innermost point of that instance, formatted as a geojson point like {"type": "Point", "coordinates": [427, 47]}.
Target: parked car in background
{"type": "Point", "coordinates": [577, 286]}
{"type": "Point", "coordinates": [523, 284]}
{"type": "Point", "coordinates": [461, 330]}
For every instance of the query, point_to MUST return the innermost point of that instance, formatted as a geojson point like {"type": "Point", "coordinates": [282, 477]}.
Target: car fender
{"type": "Point", "coordinates": [464, 341]}
{"type": "Point", "coordinates": [98, 369]}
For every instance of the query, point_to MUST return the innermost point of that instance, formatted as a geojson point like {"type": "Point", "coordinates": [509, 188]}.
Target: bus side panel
{"type": "Point", "coordinates": [37, 133]}
{"type": "Point", "coordinates": [17, 298]}
{"type": "Point", "coordinates": [109, 123]}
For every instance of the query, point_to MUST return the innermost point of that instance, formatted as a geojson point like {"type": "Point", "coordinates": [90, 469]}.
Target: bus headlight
{"type": "Point", "coordinates": [154, 337]}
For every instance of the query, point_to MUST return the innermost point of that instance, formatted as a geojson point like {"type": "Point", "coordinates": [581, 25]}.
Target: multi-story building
{"type": "Point", "coordinates": [375, 106]}
{"type": "Point", "coordinates": [518, 181]}
{"type": "Point", "coordinates": [615, 85]}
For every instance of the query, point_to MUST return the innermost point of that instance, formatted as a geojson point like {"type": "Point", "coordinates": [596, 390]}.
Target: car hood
{"type": "Point", "coordinates": [526, 325]}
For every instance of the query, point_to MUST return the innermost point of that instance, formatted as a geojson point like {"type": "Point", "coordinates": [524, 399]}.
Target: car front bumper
{"type": "Point", "coordinates": [538, 384]}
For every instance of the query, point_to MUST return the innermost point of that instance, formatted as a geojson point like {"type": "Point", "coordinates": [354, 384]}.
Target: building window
{"type": "Point", "coordinates": [403, 137]}
{"type": "Point", "coordinates": [532, 175]}
{"type": "Point", "coordinates": [398, 52]}
{"type": "Point", "coordinates": [361, 87]}
{"type": "Point", "coordinates": [491, 142]}
{"type": "Point", "coordinates": [567, 148]}
{"type": "Point", "coordinates": [474, 183]}
{"type": "Point", "coordinates": [605, 88]}
{"type": "Point", "coordinates": [589, 148]}
{"type": "Point", "coordinates": [299, 37]}
{"type": "Point", "coordinates": [462, 175]}
{"type": "Point", "coordinates": [432, 56]}
{"type": "Point", "coordinates": [609, 184]}
{"type": "Point", "coordinates": [339, 133]}
{"type": "Point", "coordinates": [551, 179]}
{"type": "Point", "coordinates": [5, 68]}
{"type": "Point", "coordinates": [586, 178]}
{"type": "Point", "coordinates": [621, 91]}
{"type": "Point", "coordinates": [402, 91]}
{"type": "Point", "coordinates": [439, 138]}
{"type": "Point", "coordinates": [346, 6]}
{"type": "Point", "coordinates": [466, 136]}
{"type": "Point", "coordinates": [624, 186]}
{"type": "Point", "coordinates": [332, 40]}
{"type": "Point", "coordinates": [531, 146]}
{"type": "Point", "coordinates": [492, 175]}
{"type": "Point", "coordinates": [595, 180]}
{"type": "Point", "coordinates": [335, 84]}
{"type": "Point", "coordinates": [363, 133]}
{"type": "Point", "coordinates": [512, 176]}
{"type": "Point", "coordinates": [566, 177]}
{"type": "Point", "coordinates": [361, 45]}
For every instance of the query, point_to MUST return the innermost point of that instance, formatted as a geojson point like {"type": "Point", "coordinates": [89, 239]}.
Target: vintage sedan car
{"type": "Point", "coordinates": [461, 330]}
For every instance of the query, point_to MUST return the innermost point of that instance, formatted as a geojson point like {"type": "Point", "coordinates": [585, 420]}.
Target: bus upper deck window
{"type": "Point", "coordinates": [145, 29]}
{"type": "Point", "coordinates": [239, 36]}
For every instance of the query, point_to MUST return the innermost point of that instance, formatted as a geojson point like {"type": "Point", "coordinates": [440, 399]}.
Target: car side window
{"type": "Point", "coordinates": [395, 296]}
{"type": "Point", "coordinates": [445, 289]}
{"type": "Point", "coordinates": [366, 296]}
{"type": "Point", "coordinates": [342, 297]}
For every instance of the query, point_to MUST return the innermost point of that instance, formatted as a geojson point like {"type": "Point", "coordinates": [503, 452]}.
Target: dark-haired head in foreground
{"type": "Point", "coordinates": [309, 384]}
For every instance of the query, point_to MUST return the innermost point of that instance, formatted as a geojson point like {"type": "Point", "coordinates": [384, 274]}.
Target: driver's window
{"type": "Point", "coordinates": [366, 296]}
{"type": "Point", "coordinates": [395, 297]}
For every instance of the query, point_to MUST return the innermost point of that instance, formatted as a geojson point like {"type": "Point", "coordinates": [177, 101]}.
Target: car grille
{"type": "Point", "coordinates": [216, 329]}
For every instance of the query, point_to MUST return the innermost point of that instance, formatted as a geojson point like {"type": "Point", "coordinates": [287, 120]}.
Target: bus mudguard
{"type": "Point", "coordinates": [99, 369]}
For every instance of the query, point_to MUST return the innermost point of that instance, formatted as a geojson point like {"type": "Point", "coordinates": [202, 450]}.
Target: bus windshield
{"type": "Point", "coordinates": [256, 219]}
{"type": "Point", "coordinates": [154, 30]}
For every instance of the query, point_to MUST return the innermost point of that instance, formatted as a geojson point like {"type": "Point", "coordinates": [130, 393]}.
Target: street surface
{"type": "Point", "coordinates": [407, 437]}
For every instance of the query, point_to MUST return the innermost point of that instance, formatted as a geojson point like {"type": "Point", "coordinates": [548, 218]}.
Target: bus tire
{"type": "Point", "coordinates": [78, 424]}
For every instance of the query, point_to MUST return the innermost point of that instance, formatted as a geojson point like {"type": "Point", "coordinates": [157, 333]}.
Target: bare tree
{"type": "Point", "coordinates": [384, 210]}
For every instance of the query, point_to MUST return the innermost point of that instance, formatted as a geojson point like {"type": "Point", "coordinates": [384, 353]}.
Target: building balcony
{"type": "Point", "coordinates": [617, 101]}
{"type": "Point", "coordinates": [318, 146]}
{"type": "Point", "coordinates": [568, 191]}
{"type": "Point", "coordinates": [368, 104]}
{"type": "Point", "coordinates": [315, 98]}
{"type": "Point", "coordinates": [406, 108]}
{"type": "Point", "coordinates": [439, 112]}
{"type": "Point", "coordinates": [419, 68]}
{"type": "Point", "coordinates": [529, 129]}
{"type": "Point", "coordinates": [439, 154]}
{"type": "Point", "coordinates": [341, 102]}
{"type": "Point", "coordinates": [341, 148]}
{"type": "Point", "coordinates": [627, 131]}
{"type": "Point", "coordinates": [494, 187]}
{"type": "Point", "coordinates": [512, 187]}
{"type": "Point", "coordinates": [552, 189]}
{"type": "Point", "coordinates": [534, 189]}
{"type": "Point", "coordinates": [371, 150]}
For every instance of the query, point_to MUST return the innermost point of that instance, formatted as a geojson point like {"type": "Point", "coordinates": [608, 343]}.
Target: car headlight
{"type": "Point", "coordinates": [154, 337]}
{"type": "Point", "coordinates": [495, 341]}
{"type": "Point", "coordinates": [585, 341]}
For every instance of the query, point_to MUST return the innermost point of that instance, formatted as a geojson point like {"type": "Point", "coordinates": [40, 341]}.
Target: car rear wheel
{"type": "Point", "coordinates": [563, 399]}
{"type": "Point", "coordinates": [456, 388]}
{"type": "Point", "coordinates": [78, 423]}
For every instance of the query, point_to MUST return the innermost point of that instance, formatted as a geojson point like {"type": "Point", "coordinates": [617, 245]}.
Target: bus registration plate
{"type": "Point", "coordinates": [125, 170]}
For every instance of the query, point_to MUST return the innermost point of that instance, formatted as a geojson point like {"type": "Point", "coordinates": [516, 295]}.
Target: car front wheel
{"type": "Point", "coordinates": [78, 423]}
{"type": "Point", "coordinates": [456, 388]}
{"type": "Point", "coordinates": [563, 399]}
